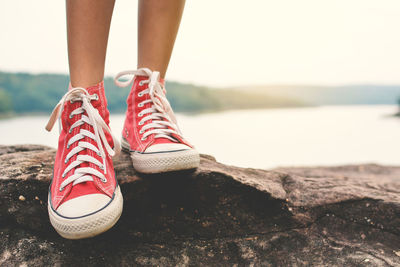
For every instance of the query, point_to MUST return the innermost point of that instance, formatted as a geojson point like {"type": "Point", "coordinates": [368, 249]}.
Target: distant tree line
{"type": "Point", "coordinates": [28, 93]}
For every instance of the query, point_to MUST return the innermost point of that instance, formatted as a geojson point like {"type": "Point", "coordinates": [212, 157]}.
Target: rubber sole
{"type": "Point", "coordinates": [90, 225]}
{"type": "Point", "coordinates": [163, 162]}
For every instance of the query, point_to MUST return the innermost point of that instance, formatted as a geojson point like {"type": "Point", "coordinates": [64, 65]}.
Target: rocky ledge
{"type": "Point", "coordinates": [216, 216]}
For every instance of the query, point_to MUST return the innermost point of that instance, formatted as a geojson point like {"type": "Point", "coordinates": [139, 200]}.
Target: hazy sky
{"type": "Point", "coordinates": [228, 42]}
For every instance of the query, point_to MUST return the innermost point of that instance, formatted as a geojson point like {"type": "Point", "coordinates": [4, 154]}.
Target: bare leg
{"type": "Point", "coordinates": [158, 25]}
{"type": "Point", "coordinates": [88, 25]}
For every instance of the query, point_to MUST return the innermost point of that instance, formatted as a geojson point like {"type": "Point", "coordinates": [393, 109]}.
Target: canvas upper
{"type": "Point", "coordinates": [150, 125]}
{"type": "Point", "coordinates": [83, 178]}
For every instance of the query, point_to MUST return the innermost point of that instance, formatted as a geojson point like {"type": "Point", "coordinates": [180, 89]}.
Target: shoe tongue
{"type": "Point", "coordinates": [87, 187]}
{"type": "Point", "coordinates": [101, 106]}
{"type": "Point", "coordinates": [101, 103]}
{"type": "Point", "coordinates": [161, 140]}
{"type": "Point", "coordinates": [139, 78]}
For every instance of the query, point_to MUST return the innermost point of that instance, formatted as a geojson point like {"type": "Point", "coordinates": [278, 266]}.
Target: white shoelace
{"type": "Point", "coordinates": [93, 118]}
{"type": "Point", "coordinates": [163, 121]}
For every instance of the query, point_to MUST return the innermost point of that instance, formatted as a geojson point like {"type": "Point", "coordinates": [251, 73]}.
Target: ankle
{"type": "Point", "coordinates": [93, 86]}
{"type": "Point", "coordinates": [85, 83]}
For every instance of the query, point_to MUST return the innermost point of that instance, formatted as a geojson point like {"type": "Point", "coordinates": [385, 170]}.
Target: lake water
{"type": "Point", "coordinates": [328, 135]}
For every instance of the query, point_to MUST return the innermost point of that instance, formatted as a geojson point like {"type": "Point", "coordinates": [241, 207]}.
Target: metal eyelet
{"type": "Point", "coordinates": [140, 123]}
{"type": "Point", "coordinates": [70, 131]}
{"type": "Point", "coordinates": [141, 83]}
{"type": "Point", "coordinates": [101, 167]}
{"type": "Point", "coordinates": [140, 94]}
{"type": "Point", "coordinates": [140, 105]}
{"type": "Point", "coordinates": [61, 189]}
{"type": "Point", "coordinates": [141, 131]}
{"type": "Point", "coordinates": [71, 116]}
{"type": "Point", "coordinates": [98, 154]}
{"type": "Point", "coordinates": [65, 161]}
{"type": "Point", "coordinates": [104, 180]}
{"type": "Point", "coordinates": [67, 146]}
{"type": "Point", "coordinates": [96, 97]}
{"type": "Point", "coordinates": [143, 138]}
{"type": "Point", "coordinates": [63, 175]}
{"type": "Point", "coordinates": [71, 101]}
{"type": "Point", "coordinates": [140, 114]}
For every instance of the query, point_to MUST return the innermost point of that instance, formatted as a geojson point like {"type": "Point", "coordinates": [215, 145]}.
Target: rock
{"type": "Point", "coordinates": [216, 216]}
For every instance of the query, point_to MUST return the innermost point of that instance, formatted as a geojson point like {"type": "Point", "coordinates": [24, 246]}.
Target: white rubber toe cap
{"type": "Point", "coordinates": [84, 205]}
{"type": "Point", "coordinates": [167, 147]}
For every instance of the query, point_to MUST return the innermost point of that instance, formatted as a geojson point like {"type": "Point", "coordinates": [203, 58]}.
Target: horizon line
{"type": "Point", "coordinates": [278, 84]}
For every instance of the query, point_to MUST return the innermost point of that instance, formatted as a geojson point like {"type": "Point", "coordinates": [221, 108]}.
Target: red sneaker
{"type": "Point", "coordinates": [151, 133]}
{"type": "Point", "coordinates": [84, 196]}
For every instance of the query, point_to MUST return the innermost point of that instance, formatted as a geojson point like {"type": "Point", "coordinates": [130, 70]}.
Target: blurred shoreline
{"type": "Point", "coordinates": [25, 94]}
